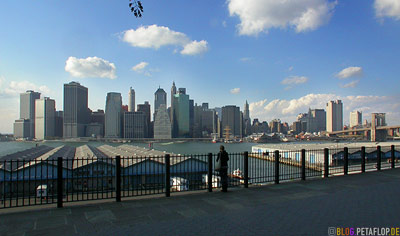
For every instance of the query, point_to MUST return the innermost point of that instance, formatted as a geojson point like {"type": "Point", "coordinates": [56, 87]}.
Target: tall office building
{"type": "Point", "coordinates": [160, 98]}
{"type": "Point", "coordinates": [145, 108]}
{"type": "Point", "coordinates": [59, 124]}
{"type": "Point", "coordinates": [191, 117]}
{"type": "Point", "coordinates": [181, 115]}
{"type": "Point", "coordinates": [334, 116]}
{"type": "Point", "coordinates": [231, 119]}
{"type": "Point", "coordinates": [25, 126]}
{"type": "Point", "coordinates": [355, 118]}
{"type": "Point", "coordinates": [45, 118]}
{"type": "Point", "coordinates": [246, 119]}
{"type": "Point", "coordinates": [135, 125]}
{"type": "Point", "coordinates": [162, 124]}
{"type": "Point", "coordinates": [131, 103]}
{"type": "Point", "coordinates": [246, 113]}
{"type": "Point", "coordinates": [76, 111]}
{"type": "Point", "coordinates": [172, 110]}
{"type": "Point", "coordinates": [113, 116]}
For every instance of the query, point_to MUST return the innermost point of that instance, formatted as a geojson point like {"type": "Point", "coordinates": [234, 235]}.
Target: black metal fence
{"type": "Point", "coordinates": [50, 181]}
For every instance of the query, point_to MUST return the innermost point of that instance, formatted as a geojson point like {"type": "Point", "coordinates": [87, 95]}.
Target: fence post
{"type": "Point", "coordinates": [276, 167]}
{"type": "Point", "coordinates": [392, 156]}
{"type": "Point", "coordinates": [167, 176]}
{"type": "Point", "coordinates": [246, 169]}
{"type": "Point", "coordinates": [346, 161]}
{"type": "Point", "coordinates": [59, 182]}
{"type": "Point", "coordinates": [118, 178]}
{"type": "Point", "coordinates": [379, 157]}
{"type": "Point", "coordinates": [303, 164]}
{"type": "Point", "coordinates": [362, 159]}
{"type": "Point", "coordinates": [209, 174]}
{"type": "Point", "coordinates": [326, 162]}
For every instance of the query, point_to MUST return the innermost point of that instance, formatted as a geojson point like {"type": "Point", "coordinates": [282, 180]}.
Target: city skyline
{"type": "Point", "coordinates": [347, 53]}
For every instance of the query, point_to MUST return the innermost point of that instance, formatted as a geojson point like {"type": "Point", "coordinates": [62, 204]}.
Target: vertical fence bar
{"type": "Point", "coordinates": [209, 174]}
{"type": "Point", "coordinates": [392, 156]}
{"type": "Point", "coordinates": [59, 183]}
{"type": "Point", "coordinates": [118, 178]}
{"type": "Point", "coordinates": [362, 159]}
{"type": "Point", "coordinates": [346, 161]}
{"type": "Point", "coordinates": [326, 162]}
{"type": "Point", "coordinates": [167, 176]}
{"type": "Point", "coordinates": [246, 169]}
{"type": "Point", "coordinates": [276, 167]}
{"type": "Point", "coordinates": [378, 157]}
{"type": "Point", "coordinates": [303, 164]}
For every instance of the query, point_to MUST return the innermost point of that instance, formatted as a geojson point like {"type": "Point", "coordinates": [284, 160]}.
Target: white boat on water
{"type": "Point", "coordinates": [237, 174]}
{"type": "Point", "coordinates": [179, 184]}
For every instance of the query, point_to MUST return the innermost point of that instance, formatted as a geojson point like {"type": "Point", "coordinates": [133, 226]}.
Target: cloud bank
{"type": "Point", "coordinates": [287, 110]}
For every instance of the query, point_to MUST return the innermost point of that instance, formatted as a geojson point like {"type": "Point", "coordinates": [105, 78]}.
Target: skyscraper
{"type": "Point", "coordinates": [181, 114]}
{"type": "Point", "coordinates": [162, 124]}
{"type": "Point", "coordinates": [160, 98]}
{"type": "Point", "coordinates": [45, 118]}
{"type": "Point", "coordinates": [231, 118]}
{"type": "Point", "coordinates": [135, 125]}
{"type": "Point", "coordinates": [172, 110]}
{"type": "Point", "coordinates": [145, 108]}
{"type": "Point", "coordinates": [246, 119]}
{"type": "Point", "coordinates": [246, 113]}
{"type": "Point", "coordinates": [113, 116]}
{"type": "Point", "coordinates": [27, 112]}
{"type": "Point", "coordinates": [131, 103]}
{"type": "Point", "coordinates": [76, 112]}
{"type": "Point", "coordinates": [355, 118]}
{"type": "Point", "coordinates": [334, 116]}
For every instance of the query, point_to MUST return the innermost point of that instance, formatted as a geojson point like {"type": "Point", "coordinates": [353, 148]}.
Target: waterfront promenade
{"type": "Point", "coordinates": [295, 208]}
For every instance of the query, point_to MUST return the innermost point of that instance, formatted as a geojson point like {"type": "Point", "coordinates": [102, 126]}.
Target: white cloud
{"type": "Point", "coordinates": [353, 71]}
{"type": "Point", "coordinates": [387, 8]}
{"type": "Point", "coordinates": [14, 88]}
{"type": "Point", "coordinates": [245, 59]}
{"type": "Point", "coordinates": [155, 36]}
{"type": "Point", "coordinates": [352, 84]}
{"type": "Point", "coordinates": [287, 110]}
{"type": "Point", "coordinates": [140, 67]}
{"type": "Point", "coordinates": [90, 67]}
{"type": "Point", "coordinates": [258, 16]}
{"type": "Point", "coordinates": [195, 48]}
{"type": "Point", "coordinates": [235, 91]}
{"type": "Point", "coordinates": [294, 80]}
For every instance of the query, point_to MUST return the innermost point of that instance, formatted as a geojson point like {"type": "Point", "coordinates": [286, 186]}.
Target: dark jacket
{"type": "Point", "coordinates": [223, 155]}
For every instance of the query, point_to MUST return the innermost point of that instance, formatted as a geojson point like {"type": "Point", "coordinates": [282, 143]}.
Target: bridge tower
{"type": "Point", "coordinates": [378, 119]}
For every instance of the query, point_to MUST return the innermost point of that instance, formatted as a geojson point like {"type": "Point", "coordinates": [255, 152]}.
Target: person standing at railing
{"type": "Point", "coordinates": [222, 160]}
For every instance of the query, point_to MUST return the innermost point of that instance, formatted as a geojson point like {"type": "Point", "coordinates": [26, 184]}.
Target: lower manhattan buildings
{"type": "Point", "coordinates": [184, 118]}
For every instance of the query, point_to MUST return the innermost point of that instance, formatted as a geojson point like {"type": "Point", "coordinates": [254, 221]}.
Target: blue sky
{"type": "Point", "coordinates": [281, 57]}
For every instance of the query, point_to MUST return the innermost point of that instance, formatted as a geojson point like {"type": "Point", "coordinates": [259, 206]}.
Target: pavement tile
{"type": "Point", "coordinates": [50, 222]}
{"type": "Point", "coordinates": [100, 216]}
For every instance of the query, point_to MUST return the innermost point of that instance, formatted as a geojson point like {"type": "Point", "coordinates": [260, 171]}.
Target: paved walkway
{"type": "Point", "coordinates": [295, 208]}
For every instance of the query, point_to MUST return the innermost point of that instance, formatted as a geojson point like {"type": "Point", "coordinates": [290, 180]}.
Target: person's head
{"type": "Point", "coordinates": [221, 148]}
